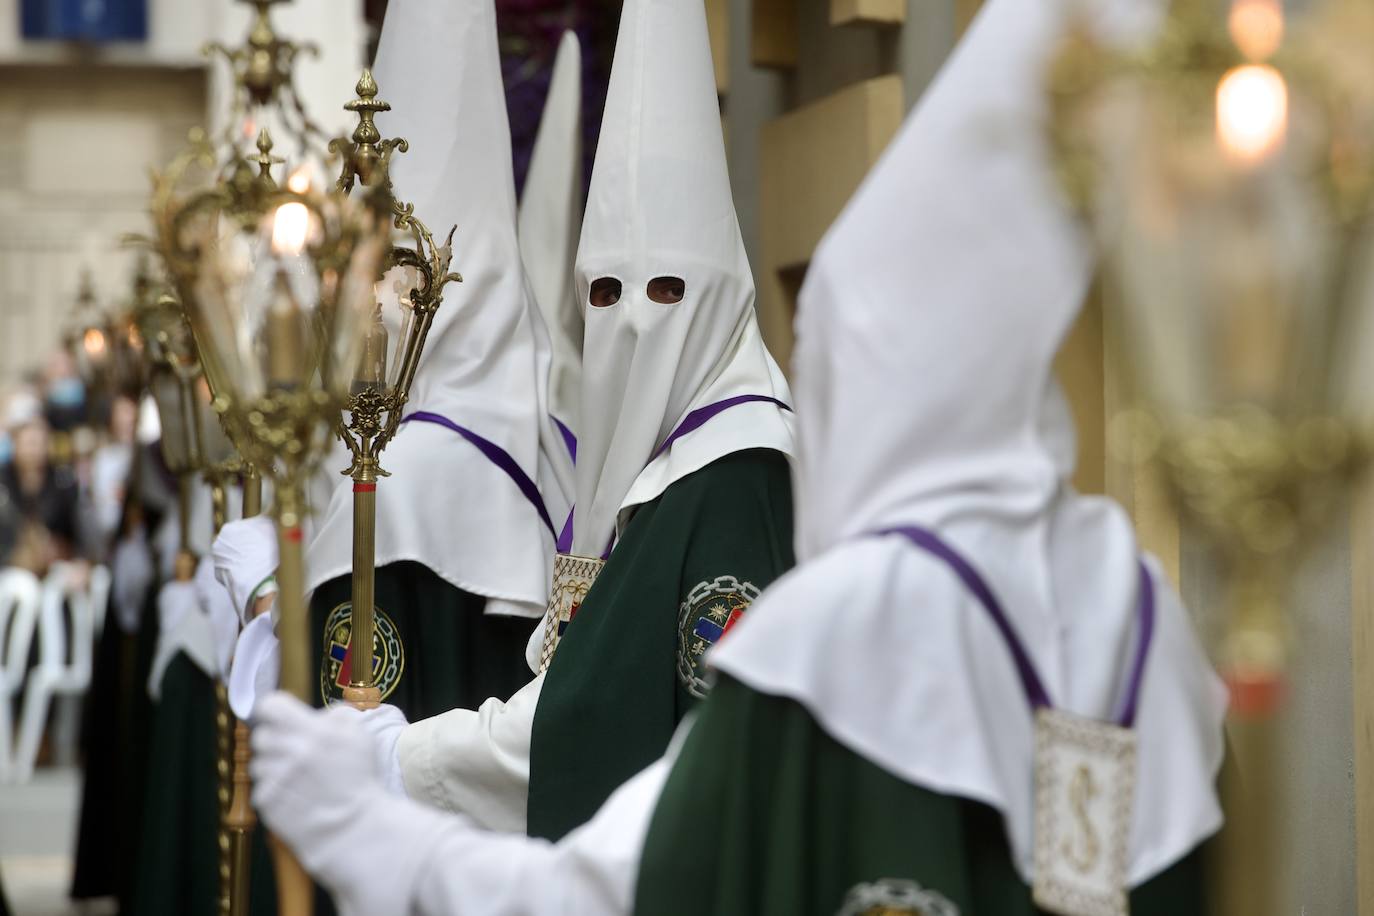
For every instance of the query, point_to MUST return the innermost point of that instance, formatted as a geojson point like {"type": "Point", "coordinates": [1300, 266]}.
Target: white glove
{"type": "Point", "coordinates": [219, 607]}
{"type": "Point", "coordinates": [256, 667]}
{"type": "Point", "coordinates": [316, 785]}
{"type": "Point", "coordinates": [385, 724]}
{"type": "Point", "coordinates": [245, 557]}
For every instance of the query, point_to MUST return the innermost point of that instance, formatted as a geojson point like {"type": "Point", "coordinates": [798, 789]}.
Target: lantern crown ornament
{"type": "Point", "coordinates": [1226, 171]}
{"type": "Point", "coordinates": [410, 291]}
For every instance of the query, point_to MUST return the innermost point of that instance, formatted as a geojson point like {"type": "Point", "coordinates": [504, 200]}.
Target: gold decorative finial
{"type": "Point", "coordinates": [368, 158]}
{"type": "Point", "coordinates": [264, 159]}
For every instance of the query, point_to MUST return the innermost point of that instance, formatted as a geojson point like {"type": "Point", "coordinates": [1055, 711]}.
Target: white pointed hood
{"type": "Point", "coordinates": [550, 218]}
{"type": "Point", "coordinates": [660, 205]}
{"type": "Point", "coordinates": [485, 362]}
{"type": "Point", "coordinates": [927, 330]}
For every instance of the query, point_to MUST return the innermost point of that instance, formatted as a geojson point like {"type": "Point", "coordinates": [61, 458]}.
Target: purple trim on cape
{"type": "Point", "coordinates": [496, 455]}
{"type": "Point", "coordinates": [1031, 684]}
{"type": "Point", "coordinates": [568, 438]}
{"type": "Point", "coordinates": [690, 423]}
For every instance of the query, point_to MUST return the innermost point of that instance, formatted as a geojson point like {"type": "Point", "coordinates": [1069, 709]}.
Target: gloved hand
{"type": "Point", "coordinates": [385, 724]}
{"type": "Point", "coordinates": [316, 785]}
{"type": "Point", "coordinates": [219, 607]}
{"type": "Point", "coordinates": [245, 558]}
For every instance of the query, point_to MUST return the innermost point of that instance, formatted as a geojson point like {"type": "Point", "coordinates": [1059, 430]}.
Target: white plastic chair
{"type": "Point", "coordinates": [20, 595]}
{"type": "Point", "coordinates": [65, 611]}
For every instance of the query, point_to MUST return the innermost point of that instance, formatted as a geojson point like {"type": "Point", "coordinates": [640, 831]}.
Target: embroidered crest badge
{"type": "Point", "coordinates": [572, 579]}
{"type": "Point", "coordinates": [895, 897]}
{"type": "Point", "coordinates": [337, 660]}
{"type": "Point", "coordinates": [709, 612]}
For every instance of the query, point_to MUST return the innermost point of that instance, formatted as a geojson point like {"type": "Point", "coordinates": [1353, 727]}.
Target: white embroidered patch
{"type": "Point", "coordinates": [573, 577]}
{"type": "Point", "coordinates": [709, 611]}
{"type": "Point", "coordinates": [891, 897]}
{"type": "Point", "coordinates": [1084, 793]}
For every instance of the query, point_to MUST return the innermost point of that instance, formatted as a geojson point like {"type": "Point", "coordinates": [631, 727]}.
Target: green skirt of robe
{"type": "Point", "coordinates": [178, 861]}
{"type": "Point", "coordinates": [764, 813]}
{"type": "Point", "coordinates": [114, 748]}
{"type": "Point", "coordinates": [629, 664]}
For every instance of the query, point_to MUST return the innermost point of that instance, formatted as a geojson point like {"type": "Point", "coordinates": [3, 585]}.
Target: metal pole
{"type": "Point", "coordinates": [362, 691]}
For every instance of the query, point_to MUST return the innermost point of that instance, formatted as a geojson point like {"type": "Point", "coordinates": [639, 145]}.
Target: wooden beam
{"type": "Point", "coordinates": [718, 25]}
{"type": "Point", "coordinates": [885, 13]}
{"type": "Point", "coordinates": [1362, 680]}
{"type": "Point", "coordinates": [810, 161]}
{"type": "Point", "coordinates": [774, 39]}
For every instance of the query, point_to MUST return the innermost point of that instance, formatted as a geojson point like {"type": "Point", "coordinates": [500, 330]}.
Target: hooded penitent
{"type": "Point", "coordinates": [485, 364]}
{"type": "Point", "coordinates": [550, 215]}
{"type": "Point", "coordinates": [927, 329]}
{"type": "Point", "coordinates": [660, 206]}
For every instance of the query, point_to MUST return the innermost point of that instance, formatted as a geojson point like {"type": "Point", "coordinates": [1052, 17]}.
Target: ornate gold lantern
{"type": "Point", "coordinates": [276, 283]}
{"type": "Point", "coordinates": [408, 295]}
{"type": "Point", "coordinates": [1227, 175]}
{"type": "Point", "coordinates": [1225, 169]}
{"type": "Point", "coordinates": [193, 439]}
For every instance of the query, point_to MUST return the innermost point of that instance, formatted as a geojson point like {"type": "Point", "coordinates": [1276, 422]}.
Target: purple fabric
{"type": "Point", "coordinates": [497, 456]}
{"type": "Point", "coordinates": [690, 423]}
{"type": "Point", "coordinates": [1031, 684]}
{"type": "Point", "coordinates": [568, 438]}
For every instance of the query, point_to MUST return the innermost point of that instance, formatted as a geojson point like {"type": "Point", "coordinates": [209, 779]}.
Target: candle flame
{"type": "Point", "coordinates": [93, 341]}
{"type": "Point", "coordinates": [1256, 27]}
{"type": "Point", "coordinates": [290, 226]}
{"type": "Point", "coordinates": [299, 182]}
{"type": "Point", "coordinates": [1252, 112]}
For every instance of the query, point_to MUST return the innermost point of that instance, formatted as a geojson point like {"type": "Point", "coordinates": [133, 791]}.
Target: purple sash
{"type": "Point", "coordinates": [496, 455]}
{"type": "Point", "coordinates": [569, 439]}
{"type": "Point", "coordinates": [690, 423]}
{"type": "Point", "coordinates": [1031, 684]}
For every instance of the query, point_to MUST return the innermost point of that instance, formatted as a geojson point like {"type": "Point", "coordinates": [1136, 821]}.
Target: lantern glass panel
{"type": "Point", "coordinates": [1229, 266]}
{"type": "Point", "coordinates": [178, 446]}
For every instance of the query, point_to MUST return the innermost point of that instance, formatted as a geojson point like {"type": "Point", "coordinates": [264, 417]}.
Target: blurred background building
{"type": "Point", "coordinates": [95, 92]}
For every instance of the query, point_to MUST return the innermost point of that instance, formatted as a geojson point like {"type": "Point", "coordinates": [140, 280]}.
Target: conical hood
{"type": "Point", "coordinates": [484, 368]}
{"type": "Point", "coordinates": [660, 207]}
{"type": "Point", "coordinates": [550, 219]}
{"type": "Point", "coordinates": [927, 330]}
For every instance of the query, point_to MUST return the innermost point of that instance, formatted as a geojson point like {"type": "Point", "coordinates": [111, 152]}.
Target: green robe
{"type": "Point", "coordinates": [453, 655]}
{"type": "Point", "coordinates": [765, 813]}
{"type": "Point", "coordinates": [629, 664]}
{"type": "Point", "coordinates": [178, 861]}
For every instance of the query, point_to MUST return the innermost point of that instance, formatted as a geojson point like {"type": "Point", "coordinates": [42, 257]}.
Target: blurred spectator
{"type": "Point", "coordinates": [64, 393]}
{"type": "Point", "coordinates": [109, 475]}
{"type": "Point", "coordinates": [38, 500]}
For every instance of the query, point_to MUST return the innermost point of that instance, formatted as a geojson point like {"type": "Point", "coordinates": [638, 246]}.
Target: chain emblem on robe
{"type": "Point", "coordinates": [895, 897]}
{"type": "Point", "coordinates": [338, 658]}
{"type": "Point", "coordinates": [708, 613]}
{"type": "Point", "coordinates": [573, 577]}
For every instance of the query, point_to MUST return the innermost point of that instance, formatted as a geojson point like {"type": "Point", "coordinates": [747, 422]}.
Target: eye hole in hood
{"type": "Point", "coordinates": [605, 293]}
{"type": "Point", "coordinates": [666, 290]}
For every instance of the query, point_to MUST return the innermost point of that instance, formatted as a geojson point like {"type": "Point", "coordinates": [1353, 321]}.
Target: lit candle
{"type": "Point", "coordinates": [1256, 27]}
{"type": "Point", "coordinates": [94, 343]}
{"type": "Point", "coordinates": [371, 372]}
{"type": "Point", "coordinates": [1252, 112]}
{"type": "Point", "coordinates": [286, 356]}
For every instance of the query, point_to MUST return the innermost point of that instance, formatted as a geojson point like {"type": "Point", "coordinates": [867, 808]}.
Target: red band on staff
{"type": "Point", "coordinates": [1255, 698]}
{"type": "Point", "coordinates": [364, 488]}
{"type": "Point", "coordinates": [293, 534]}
